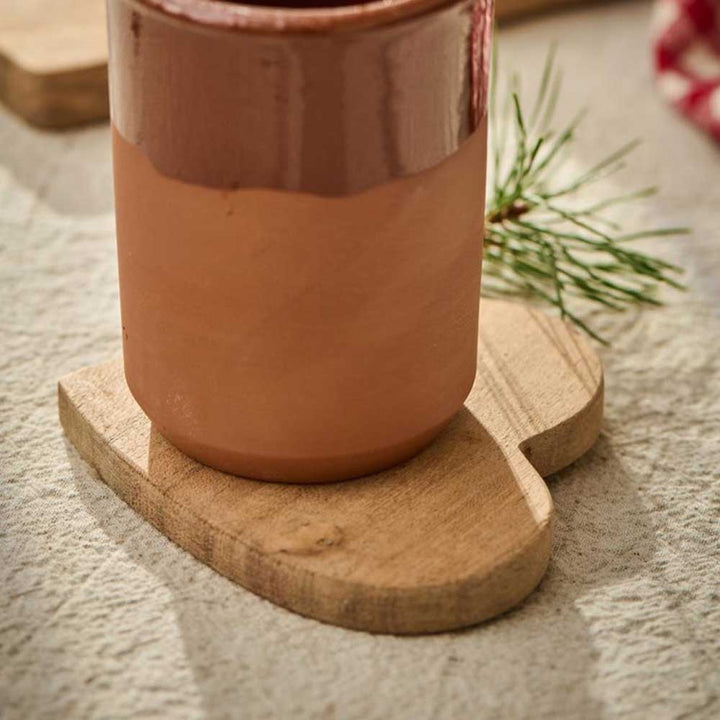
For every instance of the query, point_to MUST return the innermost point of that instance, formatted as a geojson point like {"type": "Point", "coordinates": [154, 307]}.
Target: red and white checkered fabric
{"type": "Point", "coordinates": [687, 58]}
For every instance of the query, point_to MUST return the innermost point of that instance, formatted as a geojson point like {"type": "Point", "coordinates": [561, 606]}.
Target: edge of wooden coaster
{"type": "Point", "coordinates": [465, 545]}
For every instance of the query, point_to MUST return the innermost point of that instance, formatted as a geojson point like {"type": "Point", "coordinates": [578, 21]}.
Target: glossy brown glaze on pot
{"type": "Point", "coordinates": [324, 112]}
{"type": "Point", "coordinates": [299, 235]}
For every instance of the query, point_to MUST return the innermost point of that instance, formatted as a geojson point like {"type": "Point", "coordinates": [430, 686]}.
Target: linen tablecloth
{"type": "Point", "coordinates": [102, 617]}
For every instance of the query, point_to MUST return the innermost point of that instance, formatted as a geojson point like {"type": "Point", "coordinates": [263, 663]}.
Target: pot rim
{"type": "Point", "coordinates": [222, 15]}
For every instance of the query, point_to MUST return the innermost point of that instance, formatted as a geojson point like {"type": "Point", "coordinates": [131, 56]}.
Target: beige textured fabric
{"type": "Point", "coordinates": [102, 617]}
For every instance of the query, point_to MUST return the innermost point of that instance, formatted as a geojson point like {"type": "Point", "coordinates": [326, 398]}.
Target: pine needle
{"type": "Point", "coordinates": [538, 245]}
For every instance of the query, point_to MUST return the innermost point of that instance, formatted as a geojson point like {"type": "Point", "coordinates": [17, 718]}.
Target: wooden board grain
{"type": "Point", "coordinates": [457, 535]}
{"type": "Point", "coordinates": [514, 9]}
{"type": "Point", "coordinates": [53, 57]}
{"type": "Point", "coordinates": [53, 60]}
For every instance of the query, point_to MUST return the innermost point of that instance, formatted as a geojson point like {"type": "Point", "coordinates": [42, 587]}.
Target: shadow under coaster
{"type": "Point", "coordinates": [456, 535]}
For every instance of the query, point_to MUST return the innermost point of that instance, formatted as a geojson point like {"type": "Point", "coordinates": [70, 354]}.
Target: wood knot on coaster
{"type": "Point", "coordinates": [307, 537]}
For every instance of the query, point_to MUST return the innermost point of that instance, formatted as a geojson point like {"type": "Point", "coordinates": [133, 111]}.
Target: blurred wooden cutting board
{"type": "Point", "coordinates": [53, 60]}
{"type": "Point", "coordinates": [53, 57]}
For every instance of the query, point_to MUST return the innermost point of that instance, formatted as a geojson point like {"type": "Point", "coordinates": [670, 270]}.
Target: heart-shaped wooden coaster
{"type": "Point", "coordinates": [454, 536]}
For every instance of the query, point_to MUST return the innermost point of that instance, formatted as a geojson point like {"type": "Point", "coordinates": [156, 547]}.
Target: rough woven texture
{"type": "Point", "coordinates": [101, 616]}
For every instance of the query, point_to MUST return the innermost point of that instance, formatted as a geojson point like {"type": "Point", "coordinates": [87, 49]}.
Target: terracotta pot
{"type": "Point", "coordinates": [299, 198]}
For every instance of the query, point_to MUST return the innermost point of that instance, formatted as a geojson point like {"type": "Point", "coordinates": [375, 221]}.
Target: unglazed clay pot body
{"type": "Point", "coordinates": [300, 199]}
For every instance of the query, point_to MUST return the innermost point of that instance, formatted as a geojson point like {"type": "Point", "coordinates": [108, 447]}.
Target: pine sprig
{"type": "Point", "coordinates": [541, 241]}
